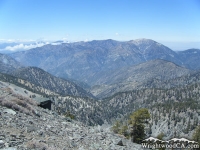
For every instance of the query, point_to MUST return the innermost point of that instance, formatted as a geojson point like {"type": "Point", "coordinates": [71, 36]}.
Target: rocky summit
{"type": "Point", "coordinates": [25, 126]}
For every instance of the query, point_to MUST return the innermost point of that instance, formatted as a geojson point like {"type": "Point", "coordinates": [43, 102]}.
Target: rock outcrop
{"type": "Point", "coordinates": [48, 131]}
{"type": "Point", "coordinates": [26, 126]}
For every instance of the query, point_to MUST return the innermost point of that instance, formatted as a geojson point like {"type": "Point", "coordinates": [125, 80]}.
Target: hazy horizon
{"type": "Point", "coordinates": [21, 45]}
{"type": "Point", "coordinates": [174, 23]}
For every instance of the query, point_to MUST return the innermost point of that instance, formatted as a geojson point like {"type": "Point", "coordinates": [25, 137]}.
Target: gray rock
{"type": "Point", "coordinates": [120, 143]}
{"type": "Point", "coordinates": [10, 148]}
{"type": "Point", "coordinates": [9, 111]}
{"type": "Point", "coordinates": [2, 137]}
{"type": "Point", "coordinates": [1, 142]}
{"type": "Point", "coordinates": [55, 133]}
{"type": "Point", "coordinates": [68, 119]}
{"type": "Point", "coordinates": [41, 133]}
{"type": "Point", "coordinates": [31, 128]}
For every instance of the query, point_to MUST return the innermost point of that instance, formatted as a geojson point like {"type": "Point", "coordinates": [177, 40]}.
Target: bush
{"type": "Point", "coordinates": [19, 103]}
{"type": "Point", "coordinates": [70, 115]}
{"type": "Point", "coordinates": [116, 127]}
{"type": "Point", "coordinates": [196, 135]}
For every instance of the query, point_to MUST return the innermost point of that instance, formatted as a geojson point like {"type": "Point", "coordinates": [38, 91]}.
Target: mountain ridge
{"type": "Point", "coordinates": [87, 58]}
{"type": "Point", "coordinates": [47, 81]}
{"type": "Point", "coordinates": [135, 77]}
{"type": "Point", "coordinates": [88, 62]}
{"type": "Point", "coordinates": [8, 64]}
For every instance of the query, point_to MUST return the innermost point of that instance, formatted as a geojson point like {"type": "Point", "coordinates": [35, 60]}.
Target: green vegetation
{"type": "Point", "coordinates": [70, 115]}
{"type": "Point", "coordinates": [119, 128]}
{"type": "Point", "coordinates": [136, 125]}
{"type": "Point", "coordinates": [137, 121]}
{"type": "Point", "coordinates": [116, 127]}
{"type": "Point", "coordinates": [196, 134]}
{"type": "Point", "coordinates": [160, 137]}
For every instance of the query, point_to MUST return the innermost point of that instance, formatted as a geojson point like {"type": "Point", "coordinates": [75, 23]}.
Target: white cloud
{"type": "Point", "coordinates": [24, 46]}
{"type": "Point", "coordinates": [56, 43]}
{"type": "Point", "coordinates": [65, 40]}
{"type": "Point", "coordinates": [116, 34]}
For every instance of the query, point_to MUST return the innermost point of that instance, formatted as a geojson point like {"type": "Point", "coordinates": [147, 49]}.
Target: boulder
{"type": "Point", "coordinates": [9, 111]}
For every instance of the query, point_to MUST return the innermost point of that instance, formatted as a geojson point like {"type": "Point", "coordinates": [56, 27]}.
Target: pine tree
{"type": "Point", "coordinates": [137, 122]}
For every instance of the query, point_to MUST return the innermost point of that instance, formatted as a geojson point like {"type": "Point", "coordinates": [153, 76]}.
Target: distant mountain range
{"type": "Point", "coordinates": [8, 64]}
{"type": "Point", "coordinates": [83, 60]}
{"type": "Point", "coordinates": [110, 64]}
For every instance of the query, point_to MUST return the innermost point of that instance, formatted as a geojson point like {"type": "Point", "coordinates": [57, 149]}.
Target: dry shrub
{"type": "Point", "coordinates": [7, 103]}
{"type": "Point", "coordinates": [20, 102]}
{"type": "Point", "coordinates": [18, 105]}
{"type": "Point", "coordinates": [27, 100]}
{"type": "Point", "coordinates": [13, 105]}
{"type": "Point", "coordinates": [8, 90]}
{"type": "Point", "coordinates": [21, 109]}
{"type": "Point", "coordinates": [34, 144]}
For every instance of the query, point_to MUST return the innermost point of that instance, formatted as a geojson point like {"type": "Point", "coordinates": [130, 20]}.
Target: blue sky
{"type": "Point", "coordinates": [172, 22]}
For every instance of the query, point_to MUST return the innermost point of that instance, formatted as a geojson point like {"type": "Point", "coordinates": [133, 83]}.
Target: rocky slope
{"type": "Point", "coordinates": [25, 126]}
{"type": "Point", "coordinates": [171, 109]}
{"type": "Point", "coordinates": [25, 84]}
{"type": "Point", "coordinates": [47, 81]}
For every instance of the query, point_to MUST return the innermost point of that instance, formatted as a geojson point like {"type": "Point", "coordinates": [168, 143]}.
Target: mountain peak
{"type": "Point", "coordinates": [142, 41]}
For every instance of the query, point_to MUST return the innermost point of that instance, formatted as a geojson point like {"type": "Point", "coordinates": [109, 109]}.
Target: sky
{"type": "Point", "coordinates": [174, 23]}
